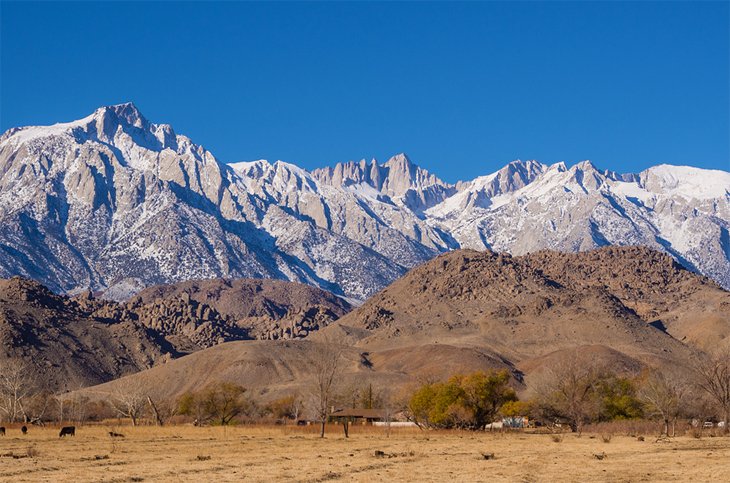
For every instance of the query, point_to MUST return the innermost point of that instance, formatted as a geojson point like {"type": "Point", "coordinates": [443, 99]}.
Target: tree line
{"type": "Point", "coordinates": [575, 393]}
{"type": "Point", "coordinates": [572, 393]}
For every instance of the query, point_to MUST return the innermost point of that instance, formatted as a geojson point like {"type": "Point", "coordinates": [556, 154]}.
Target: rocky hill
{"type": "Point", "coordinates": [72, 342]}
{"type": "Point", "coordinates": [265, 309]}
{"type": "Point", "coordinates": [69, 344]}
{"type": "Point", "coordinates": [627, 307]}
{"type": "Point", "coordinates": [521, 307]}
{"type": "Point", "coordinates": [116, 203]}
{"type": "Point", "coordinates": [525, 307]}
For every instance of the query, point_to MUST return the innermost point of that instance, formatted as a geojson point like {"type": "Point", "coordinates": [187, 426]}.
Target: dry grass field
{"type": "Point", "coordinates": [185, 453]}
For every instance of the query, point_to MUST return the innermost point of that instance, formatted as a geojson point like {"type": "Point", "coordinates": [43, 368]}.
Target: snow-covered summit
{"type": "Point", "coordinates": [686, 181]}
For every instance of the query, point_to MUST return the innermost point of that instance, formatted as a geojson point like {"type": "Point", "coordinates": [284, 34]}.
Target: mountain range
{"type": "Point", "coordinates": [114, 203]}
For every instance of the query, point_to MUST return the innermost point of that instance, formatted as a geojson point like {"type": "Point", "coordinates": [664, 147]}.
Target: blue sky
{"type": "Point", "coordinates": [462, 88]}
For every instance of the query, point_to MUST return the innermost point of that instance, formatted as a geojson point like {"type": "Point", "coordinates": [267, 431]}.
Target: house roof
{"type": "Point", "coordinates": [360, 413]}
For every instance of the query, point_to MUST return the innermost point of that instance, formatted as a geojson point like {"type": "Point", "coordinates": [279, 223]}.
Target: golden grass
{"type": "Point", "coordinates": [255, 453]}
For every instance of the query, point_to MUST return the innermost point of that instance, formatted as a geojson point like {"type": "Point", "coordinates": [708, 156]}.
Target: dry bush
{"type": "Point", "coordinates": [556, 438]}
{"type": "Point", "coordinates": [32, 451]}
{"type": "Point", "coordinates": [606, 437]}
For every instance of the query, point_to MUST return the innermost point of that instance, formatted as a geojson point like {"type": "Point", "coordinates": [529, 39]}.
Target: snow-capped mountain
{"type": "Point", "coordinates": [683, 211]}
{"type": "Point", "coordinates": [113, 201]}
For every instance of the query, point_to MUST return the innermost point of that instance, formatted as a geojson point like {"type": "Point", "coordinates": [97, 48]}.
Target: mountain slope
{"type": "Point", "coordinates": [67, 345]}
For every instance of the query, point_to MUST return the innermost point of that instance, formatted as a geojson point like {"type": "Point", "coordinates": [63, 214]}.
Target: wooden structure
{"type": "Point", "coordinates": [357, 416]}
{"type": "Point", "coordinates": [364, 416]}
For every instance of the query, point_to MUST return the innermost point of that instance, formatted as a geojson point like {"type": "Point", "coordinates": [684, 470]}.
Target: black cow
{"type": "Point", "coordinates": [2, 430]}
{"type": "Point", "coordinates": [67, 431]}
{"type": "Point", "coordinates": [24, 430]}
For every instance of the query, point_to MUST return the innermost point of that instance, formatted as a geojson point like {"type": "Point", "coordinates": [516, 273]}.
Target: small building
{"type": "Point", "coordinates": [359, 416]}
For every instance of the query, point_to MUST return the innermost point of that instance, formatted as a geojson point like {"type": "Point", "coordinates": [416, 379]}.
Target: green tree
{"type": "Point", "coordinates": [420, 405]}
{"type": "Point", "coordinates": [619, 399]}
{"type": "Point", "coordinates": [447, 407]}
{"type": "Point", "coordinates": [464, 401]}
{"type": "Point", "coordinates": [484, 394]}
{"type": "Point", "coordinates": [512, 409]}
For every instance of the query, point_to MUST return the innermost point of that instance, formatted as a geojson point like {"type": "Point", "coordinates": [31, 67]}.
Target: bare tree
{"type": "Point", "coordinates": [162, 408]}
{"type": "Point", "coordinates": [568, 390]}
{"type": "Point", "coordinates": [219, 403]}
{"type": "Point", "coordinates": [155, 412]}
{"type": "Point", "coordinates": [664, 395]}
{"type": "Point", "coordinates": [130, 399]}
{"type": "Point", "coordinates": [699, 408]}
{"type": "Point", "coordinates": [17, 385]}
{"type": "Point", "coordinates": [326, 368]}
{"type": "Point", "coordinates": [389, 404]}
{"type": "Point", "coordinates": [72, 408]}
{"type": "Point", "coordinates": [224, 401]}
{"type": "Point", "coordinates": [37, 407]}
{"type": "Point", "coordinates": [713, 377]}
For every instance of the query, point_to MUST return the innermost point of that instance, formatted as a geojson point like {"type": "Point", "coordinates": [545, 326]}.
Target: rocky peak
{"type": "Point", "coordinates": [128, 113]}
{"type": "Point", "coordinates": [402, 175]}
{"type": "Point", "coordinates": [587, 176]}
{"type": "Point", "coordinates": [514, 176]}
{"type": "Point", "coordinates": [401, 165]}
{"type": "Point", "coordinates": [107, 120]}
{"type": "Point", "coordinates": [394, 178]}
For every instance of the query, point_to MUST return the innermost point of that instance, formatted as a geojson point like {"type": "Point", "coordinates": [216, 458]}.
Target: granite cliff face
{"type": "Point", "coordinates": [115, 203]}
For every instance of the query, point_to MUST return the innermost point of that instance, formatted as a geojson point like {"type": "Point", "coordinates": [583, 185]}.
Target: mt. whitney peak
{"type": "Point", "coordinates": [115, 202]}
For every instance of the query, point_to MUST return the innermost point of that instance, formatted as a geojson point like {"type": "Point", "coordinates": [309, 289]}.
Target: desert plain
{"type": "Point", "coordinates": [271, 453]}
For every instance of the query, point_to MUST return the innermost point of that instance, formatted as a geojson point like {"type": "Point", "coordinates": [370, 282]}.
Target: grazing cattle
{"type": "Point", "coordinates": [2, 430]}
{"type": "Point", "coordinates": [67, 431]}
{"type": "Point", "coordinates": [24, 430]}
{"type": "Point", "coordinates": [112, 434]}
